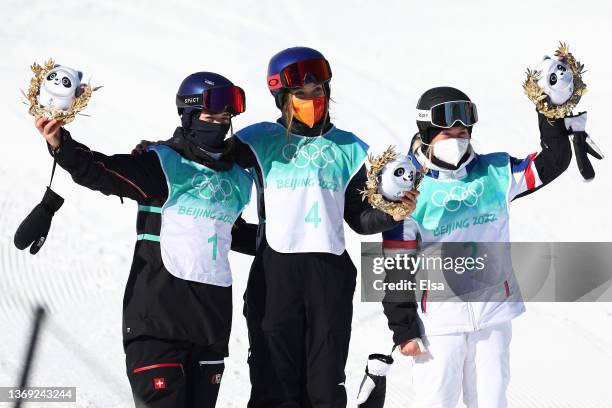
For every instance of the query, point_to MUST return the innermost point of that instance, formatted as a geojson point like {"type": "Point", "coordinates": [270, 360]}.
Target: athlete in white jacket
{"type": "Point", "coordinates": [465, 197]}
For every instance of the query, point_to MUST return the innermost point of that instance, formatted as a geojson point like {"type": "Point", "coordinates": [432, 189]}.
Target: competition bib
{"type": "Point", "coordinates": [472, 209]}
{"type": "Point", "coordinates": [305, 179]}
{"type": "Point", "coordinates": [197, 217]}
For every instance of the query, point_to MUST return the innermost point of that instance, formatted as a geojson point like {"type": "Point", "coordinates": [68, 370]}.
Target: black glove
{"type": "Point", "coordinates": [583, 144]}
{"type": "Point", "coordinates": [34, 229]}
{"type": "Point", "coordinates": [373, 387]}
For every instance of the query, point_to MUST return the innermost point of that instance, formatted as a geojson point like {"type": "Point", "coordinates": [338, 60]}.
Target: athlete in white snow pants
{"type": "Point", "coordinates": [475, 362]}
{"type": "Point", "coordinates": [465, 198]}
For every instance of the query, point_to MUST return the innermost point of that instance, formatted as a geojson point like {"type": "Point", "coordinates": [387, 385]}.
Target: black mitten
{"type": "Point", "coordinates": [583, 144]}
{"type": "Point", "coordinates": [34, 229]}
{"type": "Point", "coordinates": [373, 387]}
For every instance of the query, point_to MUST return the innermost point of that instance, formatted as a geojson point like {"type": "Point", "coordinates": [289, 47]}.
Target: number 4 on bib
{"type": "Point", "coordinates": [313, 215]}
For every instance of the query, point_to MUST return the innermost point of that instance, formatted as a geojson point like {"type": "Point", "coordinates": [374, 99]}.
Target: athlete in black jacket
{"type": "Point", "coordinates": [277, 371]}
{"type": "Point", "coordinates": [176, 327]}
{"type": "Point", "coordinates": [299, 298]}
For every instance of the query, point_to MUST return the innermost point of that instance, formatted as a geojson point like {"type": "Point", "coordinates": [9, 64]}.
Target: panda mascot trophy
{"type": "Point", "coordinates": [556, 87]}
{"type": "Point", "coordinates": [55, 92]}
{"type": "Point", "coordinates": [61, 87]}
{"type": "Point", "coordinates": [389, 177]}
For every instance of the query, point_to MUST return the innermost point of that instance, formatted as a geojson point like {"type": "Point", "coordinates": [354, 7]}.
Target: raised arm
{"type": "Point", "coordinates": [540, 168]}
{"type": "Point", "coordinates": [138, 177]}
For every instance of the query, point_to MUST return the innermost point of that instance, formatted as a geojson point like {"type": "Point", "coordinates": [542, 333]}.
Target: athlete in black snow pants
{"type": "Point", "coordinates": [299, 298]}
{"type": "Point", "coordinates": [177, 307]}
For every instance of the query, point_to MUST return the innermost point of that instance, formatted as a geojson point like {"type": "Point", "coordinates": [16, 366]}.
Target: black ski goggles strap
{"type": "Point", "coordinates": [446, 114]}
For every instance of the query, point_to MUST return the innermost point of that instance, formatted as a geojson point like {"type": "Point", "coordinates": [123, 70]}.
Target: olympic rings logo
{"type": "Point", "coordinates": [458, 195]}
{"type": "Point", "coordinates": [212, 188]}
{"type": "Point", "coordinates": [303, 156]}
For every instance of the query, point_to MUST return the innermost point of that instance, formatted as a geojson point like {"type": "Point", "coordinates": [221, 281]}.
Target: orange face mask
{"type": "Point", "coordinates": [308, 111]}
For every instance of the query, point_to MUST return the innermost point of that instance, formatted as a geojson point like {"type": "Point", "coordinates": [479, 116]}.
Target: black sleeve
{"type": "Point", "coordinates": [139, 177]}
{"type": "Point", "coordinates": [244, 237]}
{"type": "Point", "coordinates": [402, 318]}
{"type": "Point", "coordinates": [359, 215]}
{"type": "Point", "coordinates": [556, 153]}
{"type": "Point", "coordinates": [243, 154]}
{"type": "Point", "coordinates": [401, 308]}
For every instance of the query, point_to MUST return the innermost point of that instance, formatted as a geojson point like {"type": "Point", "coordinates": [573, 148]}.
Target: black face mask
{"type": "Point", "coordinates": [206, 135]}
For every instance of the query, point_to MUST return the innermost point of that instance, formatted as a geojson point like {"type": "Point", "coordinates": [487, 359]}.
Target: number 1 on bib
{"type": "Point", "coordinates": [213, 240]}
{"type": "Point", "coordinates": [313, 215]}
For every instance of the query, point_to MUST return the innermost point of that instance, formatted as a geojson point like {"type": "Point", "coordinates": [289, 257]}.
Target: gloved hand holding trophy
{"type": "Point", "coordinates": [556, 87]}
{"type": "Point", "coordinates": [56, 93]}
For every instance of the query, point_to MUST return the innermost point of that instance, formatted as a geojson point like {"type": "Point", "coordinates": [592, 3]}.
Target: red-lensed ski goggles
{"type": "Point", "coordinates": [300, 73]}
{"type": "Point", "coordinates": [220, 99]}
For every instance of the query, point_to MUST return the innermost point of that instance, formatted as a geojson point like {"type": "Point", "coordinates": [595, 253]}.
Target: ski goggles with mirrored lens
{"type": "Point", "coordinates": [300, 73]}
{"type": "Point", "coordinates": [446, 114]}
{"type": "Point", "coordinates": [221, 99]}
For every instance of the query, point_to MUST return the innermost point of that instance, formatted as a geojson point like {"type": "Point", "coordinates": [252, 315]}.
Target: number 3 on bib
{"type": "Point", "coordinates": [313, 215]}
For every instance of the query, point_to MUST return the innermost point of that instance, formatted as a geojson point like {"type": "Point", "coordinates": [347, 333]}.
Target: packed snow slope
{"type": "Point", "coordinates": [383, 56]}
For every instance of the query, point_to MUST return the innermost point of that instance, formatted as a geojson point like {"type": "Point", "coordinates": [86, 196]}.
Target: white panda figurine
{"type": "Point", "coordinates": [396, 178]}
{"type": "Point", "coordinates": [60, 87]}
{"type": "Point", "coordinates": [556, 79]}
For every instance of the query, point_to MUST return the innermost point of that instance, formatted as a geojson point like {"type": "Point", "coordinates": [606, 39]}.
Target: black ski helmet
{"type": "Point", "coordinates": [432, 97]}
{"type": "Point", "coordinates": [194, 85]}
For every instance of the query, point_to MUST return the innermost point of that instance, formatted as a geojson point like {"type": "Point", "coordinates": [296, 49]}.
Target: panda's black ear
{"type": "Point", "coordinates": [79, 91]}
{"type": "Point", "coordinates": [546, 57]}
{"type": "Point", "coordinates": [80, 75]}
{"type": "Point", "coordinates": [56, 65]}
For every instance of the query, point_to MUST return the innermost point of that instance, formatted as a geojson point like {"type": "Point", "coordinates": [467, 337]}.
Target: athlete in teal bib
{"type": "Point", "coordinates": [177, 308]}
{"type": "Point", "coordinates": [299, 298]}
{"type": "Point", "coordinates": [465, 199]}
{"type": "Point", "coordinates": [206, 202]}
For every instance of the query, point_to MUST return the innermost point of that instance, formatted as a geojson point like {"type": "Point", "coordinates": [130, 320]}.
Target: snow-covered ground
{"type": "Point", "coordinates": [383, 55]}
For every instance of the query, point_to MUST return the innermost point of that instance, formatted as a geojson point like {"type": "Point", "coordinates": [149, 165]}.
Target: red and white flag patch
{"type": "Point", "coordinates": [216, 379]}
{"type": "Point", "coordinates": [159, 383]}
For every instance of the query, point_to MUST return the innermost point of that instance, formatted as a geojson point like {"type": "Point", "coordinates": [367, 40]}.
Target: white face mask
{"type": "Point", "coordinates": [451, 150]}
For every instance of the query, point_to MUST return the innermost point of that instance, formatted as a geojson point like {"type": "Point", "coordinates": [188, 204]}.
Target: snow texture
{"type": "Point", "coordinates": [383, 56]}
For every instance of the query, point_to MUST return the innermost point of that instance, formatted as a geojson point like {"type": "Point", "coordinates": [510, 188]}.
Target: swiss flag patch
{"type": "Point", "coordinates": [159, 383]}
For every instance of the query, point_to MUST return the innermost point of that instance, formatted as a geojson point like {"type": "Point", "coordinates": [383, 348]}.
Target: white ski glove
{"type": "Point", "coordinates": [374, 384]}
{"type": "Point", "coordinates": [583, 144]}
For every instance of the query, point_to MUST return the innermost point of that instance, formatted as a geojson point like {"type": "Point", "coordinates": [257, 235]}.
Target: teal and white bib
{"type": "Point", "coordinates": [197, 217]}
{"type": "Point", "coordinates": [473, 209]}
{"type": "Point", "coordinates": [305, 179]}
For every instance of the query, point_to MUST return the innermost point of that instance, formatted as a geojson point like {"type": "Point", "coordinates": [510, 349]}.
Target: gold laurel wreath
{"type": "Point", "coordinates": [65, 116]}
{"type": "Point", "coordinates": [536, 94]}
{"type": "Point", "coordinates": [371, 193]}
